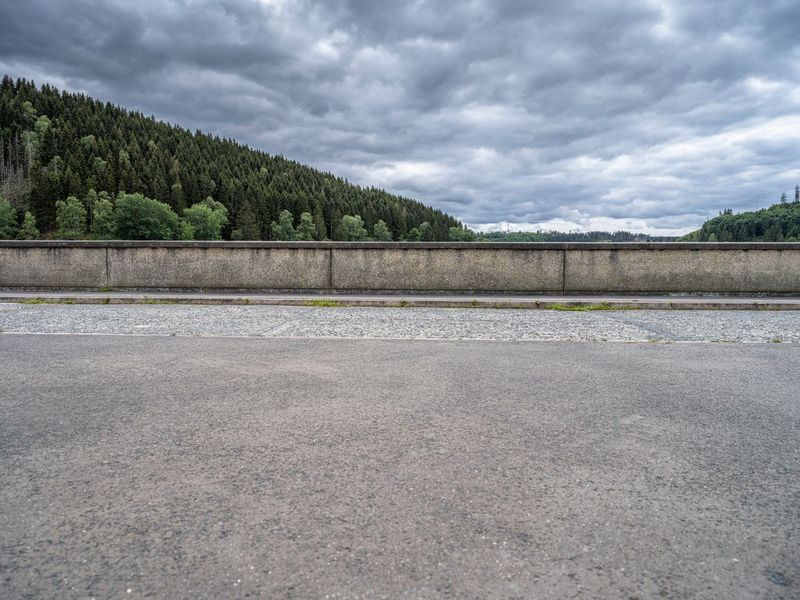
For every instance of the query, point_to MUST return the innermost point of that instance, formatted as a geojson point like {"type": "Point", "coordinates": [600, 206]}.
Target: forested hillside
{"type": "Point", "coordinates": [778, 223]}
{"type": "Point", "coordinates": [59, 147]}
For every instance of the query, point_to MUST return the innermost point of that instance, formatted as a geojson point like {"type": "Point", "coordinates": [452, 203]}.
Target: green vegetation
{"type": "Point", "coordinates": [140, 218]}
{"type": "Point", "coordinates": [207, 218]}
{"type": "Point", "coordinates": [581, 307]}
{"type": "Point", "coordinates": [39, 300]}
{"type": "Point", "coordinates": [103, 224]}
{"type": "Point", "coordinates": [306, 228]}
{"type": "Point", "coordinates": [8, 220]}
{"type": "Point", "coordinates": [284, 229]}
{"type": "Point", "coordinates": [381, 233]}
{"type": "Point", "coordinates": [352, 229]}
{"type": "Point", "coordinates": [68, 148]}
{"type": "Point", "coordinates": [70, 218]}
{"type": "Point", "coordinates": [324, 303]}
{"type": "Point", "coordinates": [28, 230]}
{"type": "Point", "coordinates": [778, 223]}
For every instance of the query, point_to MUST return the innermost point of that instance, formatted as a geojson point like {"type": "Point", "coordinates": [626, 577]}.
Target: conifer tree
{"type": "Point", "coordinates": [8, 220]}
{"type": "Point", "coordinates": [28, 230]}
{"type": "Point", "coordinates": [54, 145]}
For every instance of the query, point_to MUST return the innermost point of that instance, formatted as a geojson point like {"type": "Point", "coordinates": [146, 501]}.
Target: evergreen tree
{"type": "Point", "coordinates": [8, 220]}
{"type": "Point", "coordinates": [89, 201]}
{"type": "Point", "coordinates": [779, 222]}
{"type": "Point", "coordinates": [54, 145]}
{"type": "Point", "coordinates": [28, 229]}
{"type": "Point", "coordinates": [246, 224]}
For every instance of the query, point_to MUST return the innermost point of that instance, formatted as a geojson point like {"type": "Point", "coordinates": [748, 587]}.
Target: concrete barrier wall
{"type": "Point", "coordinates": [52, 265]}
{"type": "Point", "coordinates": [423, 267]}
{"type": "Point", "coordinates": [734, 268]}
{"type": "Point", "coordinates": [221, 268]}
{"type": "Point", "coordinates": [468, 267]}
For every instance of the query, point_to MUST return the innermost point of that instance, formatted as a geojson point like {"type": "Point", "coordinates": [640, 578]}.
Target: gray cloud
{"type": "Point", "coordinates": [644, 115]}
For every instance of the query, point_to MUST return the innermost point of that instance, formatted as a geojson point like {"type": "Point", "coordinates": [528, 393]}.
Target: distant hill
{"type": "Point", "coordinates": [778, 223]}
{"type": "Point", "coordinates": [560, 236]}
{"type": "Point", "coordinates": [57, 144]}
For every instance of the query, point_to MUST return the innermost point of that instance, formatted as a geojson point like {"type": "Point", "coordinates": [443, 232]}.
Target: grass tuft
{"type": "Point", "coordinates": [580, 307]}
{"type": "Point", "coordinates": [39, 300]}
{"type": "Point", "coordinates": [324, 303]}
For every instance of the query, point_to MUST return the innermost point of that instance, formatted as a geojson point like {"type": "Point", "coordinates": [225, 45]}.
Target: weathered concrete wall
{"type": "Point", "coordinates": [690, 269]}
{"type": "Point", "coordinates": [52, 265]}
{"type": "Point", "coordinates": [227, 267]}
{"type": "Point", "coordinates": [485, 267]}
{"type": "Point", "coordinates": [460, 268]}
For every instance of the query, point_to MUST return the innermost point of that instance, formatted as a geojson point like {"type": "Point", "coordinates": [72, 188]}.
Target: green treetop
{"type": "Point", "coordinates": [352, 229]}
{"type": "Point", "coordinates": [381, 233]}
{"type": "Point", "coordinates": [283, 230]}
{"type": "Point", "coordinates": [70, 218]}
{"type": "Point", "coordinates": [8, 220]}
{"type": "Point", "coordinates": [28, 230]}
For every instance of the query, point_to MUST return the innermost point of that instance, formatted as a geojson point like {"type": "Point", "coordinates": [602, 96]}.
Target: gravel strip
{"type": "Point", "coordinates": [402, 323]}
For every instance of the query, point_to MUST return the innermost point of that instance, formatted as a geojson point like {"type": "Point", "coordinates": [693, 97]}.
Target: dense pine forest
{"type": "Point", "coordinates": [778, 223]}
{"type": "Point", "coordinates": [72, 166]}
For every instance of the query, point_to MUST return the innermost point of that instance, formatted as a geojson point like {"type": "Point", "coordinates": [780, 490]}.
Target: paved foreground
{"type": "Point", "coordinates": [404, 323]}
{"type": "Point", "coordinates": [178, 467]}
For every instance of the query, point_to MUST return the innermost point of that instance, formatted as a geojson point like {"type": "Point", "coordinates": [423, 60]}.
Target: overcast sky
{"type": "Point", "coordinates": [602, 114]}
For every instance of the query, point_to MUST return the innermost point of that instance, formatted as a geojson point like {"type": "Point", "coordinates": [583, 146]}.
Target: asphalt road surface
{"type": "Point", "coordinates": [405, 323]}
{"type": "Point", "coordinates": [205, 467]}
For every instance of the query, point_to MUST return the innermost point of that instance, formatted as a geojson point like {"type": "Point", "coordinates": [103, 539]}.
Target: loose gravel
{"type": "Point", "coordinates": [403, 323]}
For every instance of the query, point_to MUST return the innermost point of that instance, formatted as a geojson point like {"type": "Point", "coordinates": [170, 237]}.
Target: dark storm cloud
{"type": "Point", "coordinates": [644, 115]}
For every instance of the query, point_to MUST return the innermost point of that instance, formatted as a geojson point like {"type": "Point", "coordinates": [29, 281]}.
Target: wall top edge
{"type": "Point", "coordinates": [120, 244]}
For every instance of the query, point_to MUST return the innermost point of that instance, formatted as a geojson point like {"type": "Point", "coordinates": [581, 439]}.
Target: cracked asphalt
{"type": "Point", "coordinates": [291, 452]}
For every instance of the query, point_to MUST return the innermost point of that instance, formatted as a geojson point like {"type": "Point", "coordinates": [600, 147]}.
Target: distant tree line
{"type": "Point", "coordinates": [571, 236]}
{"type": "Point", "coordinates": [59, 149]}
{"type": "Point", "coordinates": [778, 223]}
